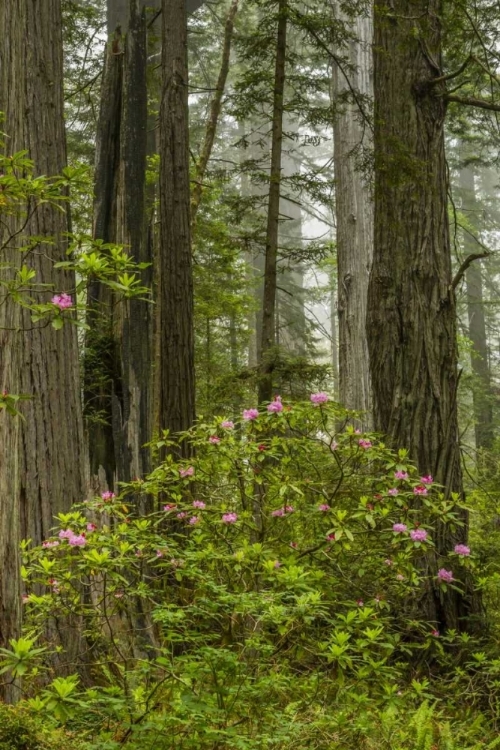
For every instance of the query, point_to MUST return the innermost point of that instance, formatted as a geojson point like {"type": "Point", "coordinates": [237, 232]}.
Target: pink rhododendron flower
{"type": "Point", "coordinates": [401, 475]}
{"type": "Point", "coordinates": [324, 507]}
{"type": "Point", "coordinates": [159, 553]}
{"type": "Point", "coordinates": [388, 562]}
{"type": "Point", "coordinates": [187, 472]}
{"type": "Point", "coordinates": [418, 535]}
{"type": "Point", "coordinates": [319, 398]}
{"type": "Point", "coordinates": [214, 439]}
{"type": "Point", "coordinates": [334, 445]}
{"type": "Point", "coordinates": [445, 575]}
{"type": "Point", "coordinates": [363, 443]}
{"type": "Point", "coordinates": [49, 544]}
{"type": "Point", "coordinates": [360, 603]}
{"type": "Point", "coordinates": [393, 491]}
{"type": "Point", "coordinates": [398, 528]}
{"type": "Point", "coordinates": [65, 534]}
{"type": "Point", "coordinates": [199, 504]}
{"type": "Point", "coordinates": [194, 520]}
{"type": "Point", "coordinates": [279, 512]}
{"type": "Point", "coordinates": [275, 406]}
{"type": "Point", "coordinates": [78, 540]}
{"type": "Point", "coordinates": [62, 301]}
{"type": "Point", "coordinates": [293, 545]}
{"type": "Point", "coordinates": [227, 424]}
{"type": "Point", "coordinates": [108, 496]}
{"type": "Point", "coordinates": [250, 414]}
{"type": "Point", "coordinates": [462, 550]}
{"type": "Point", "coordinates": [289, 509]}
{"type": "Point", "coordinates": [400, 577]}
{"type": "Point", "coordinates": [91, 527]}
{"type": "Point", "coordinates": [420, 490]}
{"type": "Point", "coordinates": [182, 515]}
{"type": "Point", "coordinates": [277, 564]}
{"type": "Point", "coordinates": [25, 598]}
{"type": "Point", "coordinates": [330, 537]}
{"type": "Point", "coordinates": [118, 594]}
{"type": "Point", "coordinates": [229, 518]}
{"type": "Point", "coordinates": [138, 553]}
{"type": "Point", "coordinates": [435, 633]}
{"type": "Point", "coordinates": [168, 508]}
{"type": "Point", "coordinates": [427, 480]}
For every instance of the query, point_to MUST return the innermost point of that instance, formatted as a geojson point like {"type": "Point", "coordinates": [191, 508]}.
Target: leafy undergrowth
{"type": "Point", "coordinates": [272, 597]}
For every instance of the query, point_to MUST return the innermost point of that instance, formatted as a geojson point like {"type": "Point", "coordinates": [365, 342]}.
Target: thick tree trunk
{"type": "Point", "coordinates": [42, 457]}
{"type": "Point", "coordinates": [118, 345]}
{"type": "Point", "coordinates": [215, 110]}
{"type": "Point", "coordinates": [176, 329]}
{"type": "Point", "coordinates": [481, 388]}
{"type": "Point", "coordinates": [270, 273]}
{"type": "Point", "coordinates": [411, 322]}
{"type": "Point", "coordinates": [354, 213]}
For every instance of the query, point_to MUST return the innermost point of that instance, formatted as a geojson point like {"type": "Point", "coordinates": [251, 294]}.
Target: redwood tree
{"type": "Point", "coordinates": [411, 324]}
{"type": "Point", "coordinates": [42, 456]}
{"type": "Point", "coordinates": [176, 384]}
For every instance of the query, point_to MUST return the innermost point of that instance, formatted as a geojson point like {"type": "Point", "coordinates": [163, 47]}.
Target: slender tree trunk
{"type": "Point", "coordinates": [292, 318]}
{"type": "Point", "coordinates": [411, 305]}
{"type": "Point", "coordinates": [334, 337]}
{"type": "Point", "coordinates": [215, 110]}
{"type": "Point", "coordinates": [354, 209]}
{"type": "Point", "coordinates": [42, 457]}
{"type": "Point", "coordinates": [176, 329]}
{"type": "Point", "coordinates": [481, 390]}
{"type": "Point", "coordinates": [270, 273]}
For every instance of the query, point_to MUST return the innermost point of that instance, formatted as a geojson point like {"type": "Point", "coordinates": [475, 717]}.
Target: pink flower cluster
{"type": "Point", "coordinates": [418, 535]}
{"type": "Point", "coordinates": [324, 507]}
{"type": "Point", "coordinates": [401, 475]}
{"type": "Point", "coordinates": [199, 504]}
{"type": "Point", "coordinates": [363, 443]}
{"type": "Point", "coordinates": [399, 528]}
{"type": "Point", "coordinates": [445, 575]}
{"type": "Point", "coordinates": [275, 406]}
{"type": "Point", "coordinates": [214, 439]}
{"type": "Point", "coordinates": [62, 301]}
{"type": "Point", "coordinates": [420, 490]}
{"type": "Point", "coordinates": [282, 511]}
{"type": "Point", "coordinates": [319, 398]}
{"type": "Point", "coordinates": [183, 473]}
{"type": "Point", "coordinates": [227, 425]}
{"type": "Point", "coordinates": [75, 540]}
{"type": "Point", "coordinates": [106, 496]}
{"type": "Point", "coordinates": [229, 518]}
{"type": "Point", "coordinates": [250, 414]}
{"type": "Point", "coordinates": [49, 544]}
{"type": "Point", "coordinates": [462, 550]}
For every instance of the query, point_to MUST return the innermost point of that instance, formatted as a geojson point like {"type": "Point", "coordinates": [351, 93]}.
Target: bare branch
{"type": "Point", "coordinates": [465, 265]}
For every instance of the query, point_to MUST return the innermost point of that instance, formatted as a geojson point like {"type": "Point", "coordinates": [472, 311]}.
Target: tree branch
{"type": "Point", "coordinates": [472, 102]}
{"type": "Point", "coordinates": [465, 265]}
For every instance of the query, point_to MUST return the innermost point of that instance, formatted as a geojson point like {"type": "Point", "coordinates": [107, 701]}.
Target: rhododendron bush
{"type": "Point", "coordinates": [278, 572]}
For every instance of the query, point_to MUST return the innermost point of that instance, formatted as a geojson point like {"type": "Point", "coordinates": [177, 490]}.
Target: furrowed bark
{"type": "Point", "coordinates": [42, 456]}
{"type": "Point", "coordinates": [176, 402]}
{"type": "Point", "coordinates": [354, 213]}
{"type": "Point", "coordinates": [411, 323]}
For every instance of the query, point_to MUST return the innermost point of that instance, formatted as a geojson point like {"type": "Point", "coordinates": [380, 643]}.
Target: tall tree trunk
{"type": "Point", "coordinates": [118, 344]}
{"type": "Point", "coordinates": [290, 300]}
{"type": "Point", "coordinates": [333, 330]}
{"type": "Point", "coordinates": [270, 272]}
{"type": "Point", "coordinates": [411, 323]}
{"type": "Point", "coordinates": [481, 389]}
{"type": "Point", "coordinates": [354, 210]}
{"type": "Point", "coordinates": [42, 457]}
{"type": "Point", "coordinates": [215, 110]}
{"type": "Point", "coordinates": [176, 328]}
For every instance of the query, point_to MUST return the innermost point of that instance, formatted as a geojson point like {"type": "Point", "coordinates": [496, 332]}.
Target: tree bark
{"type": "Point", "coordinates": [176, 329]}
{"type": "Point", "coordinates": [215, 110]}
{"type": "Point", "coordinates": [481, 388]}
{"type": "Point", "coordinates": [411, 323]}
{"type": "Point", "coordinates": [118, 345]}
{"type": "Point", "coordinates": [354, 213]}
{"type": "Point", "coordinates": [42, 457]}
{"type": "Point", "coordinates": [270, 273]}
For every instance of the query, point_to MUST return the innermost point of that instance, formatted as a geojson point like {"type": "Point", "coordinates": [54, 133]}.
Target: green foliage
{"type": "Point", "coordinates": [19, 730]}
{"type": "Point", "coordinates": [266, 602]}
